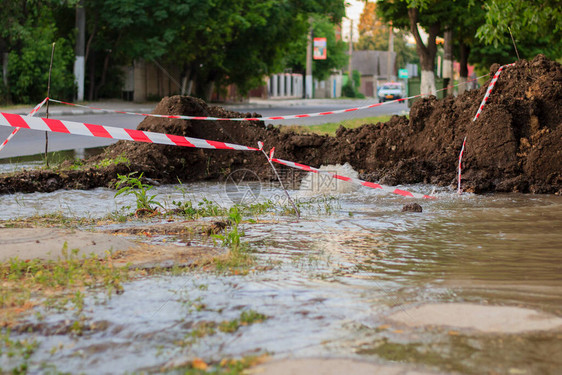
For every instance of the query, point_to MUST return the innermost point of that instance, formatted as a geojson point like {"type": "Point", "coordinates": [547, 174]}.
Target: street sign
{"type": "Point", "coordinates": [403, 73]}
{"type": "Point", "coordinates": [320, 49]}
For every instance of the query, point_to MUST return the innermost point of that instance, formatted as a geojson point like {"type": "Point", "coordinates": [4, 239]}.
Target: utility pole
{"type": "Point", "coordinates": [390, 70]}
{"type": "Point", "coordinates": [351, 53]}
{"type": "Point", "coordinates": [79, 49]}
{"type": "Point", "coordinates": [308, 78]}
{"type": "Point", "coordinates": [5, 57]}
{"type": "Point", "coordinates": [448, 60]}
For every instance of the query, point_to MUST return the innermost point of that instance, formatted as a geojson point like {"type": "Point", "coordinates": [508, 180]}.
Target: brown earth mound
{"type": "Point", "coordinates": [515, 145]}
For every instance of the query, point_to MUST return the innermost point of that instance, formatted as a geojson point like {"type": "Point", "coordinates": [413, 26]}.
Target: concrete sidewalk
{"type": "Point", "coordinates": [47, 243]}
{"type": "Point", "coordinates": [56, 109]}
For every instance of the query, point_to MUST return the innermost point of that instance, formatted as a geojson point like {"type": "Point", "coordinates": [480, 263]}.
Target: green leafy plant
{"type": "Point", "coordinates": [21, 350]}
{"type": "Point", "coordinates": [131, 185]}
{"type": "Point", "coordinates": [121, 159]}
{"type": "Point", "coordinates": [231, 237]}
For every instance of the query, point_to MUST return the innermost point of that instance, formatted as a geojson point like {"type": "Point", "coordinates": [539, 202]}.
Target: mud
{"type": "Point", "coordinates": [334, 366]}
{"type": "Point", "coordinates": [488, 319]}
{"type": "Point", "coordinates": [514, 146]}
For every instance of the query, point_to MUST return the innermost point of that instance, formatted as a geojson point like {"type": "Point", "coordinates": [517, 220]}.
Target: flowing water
{"type": "Point", "coordinates": [329, 282]}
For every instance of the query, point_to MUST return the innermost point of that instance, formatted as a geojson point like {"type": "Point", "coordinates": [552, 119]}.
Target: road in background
{"type": "Point", "coordinates": [31, 142]}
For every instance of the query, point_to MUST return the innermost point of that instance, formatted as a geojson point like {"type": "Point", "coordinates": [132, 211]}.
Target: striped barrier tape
{"type": "Point", "coordinates": [78, 128]}
{"type": "Point", "coordinates": [480, 108]}
{"type": "Point", "coordinates": [271, 118]}
{"type": "Point", "coordinates": [357, 181]}
{"type": "Point", "coordinates": [489, 90]}
{"type": "Point", "coordinates": [32, 113]}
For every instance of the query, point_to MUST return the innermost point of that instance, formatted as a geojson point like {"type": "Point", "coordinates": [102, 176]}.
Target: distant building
{"type": "Point", "coordinates": [372, 65]}
{"type": "Point", "coordinates": [147, 81]}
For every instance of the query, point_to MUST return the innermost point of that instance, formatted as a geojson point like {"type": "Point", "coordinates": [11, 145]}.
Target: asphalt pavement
{"type": "Point", "coordinates": [30, 142]}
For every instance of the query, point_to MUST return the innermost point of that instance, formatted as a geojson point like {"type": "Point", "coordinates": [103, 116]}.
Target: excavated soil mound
{"type": "Point", "coordinates": [515, 145]}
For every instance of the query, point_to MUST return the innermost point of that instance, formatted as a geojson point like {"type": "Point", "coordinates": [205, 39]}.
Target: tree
{"type": "Point", "coordinates": [27, 31]}
{"type": "Point", "coordinates": [465, 18]}
{"type": "Point", "coordinates": [216, 42]}
{"type": "Point", "coordinates": [241, 41]}
{"type": "Point", "coordinates": [525, 20]}
{"type": "Point", "coordinates": [373, 35]}
{"type": "Point", "coordinates": [535, 27]}
{"type": "Point", "coordinates": [336, 56]}
{"type": "Point", "coordinates": [410, 14]}
{"type": "Point", "coordinates": [373, 32]}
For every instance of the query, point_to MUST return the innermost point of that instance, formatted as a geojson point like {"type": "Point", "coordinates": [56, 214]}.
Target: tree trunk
{"type": "Point", "coordinates": [185, 81]}
{"type": "Point", "coordinates": [208, 91]}
{"type": "Point", "coordinates": [465, 52]}
{"type": "Point", "coordinates": [103, 75]}
{"type": "Point", "coordinates": [426, 53]}
{"type": "Point", "coordinates": [448, 61]}
{"type": "Point", "coordinates": [5, 56]}
{"type": "Point", "coordinates": [92, 72]}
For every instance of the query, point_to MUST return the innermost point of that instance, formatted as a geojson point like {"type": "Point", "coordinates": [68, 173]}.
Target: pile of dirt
{"type": "Point", "coordinates": [515, 145]}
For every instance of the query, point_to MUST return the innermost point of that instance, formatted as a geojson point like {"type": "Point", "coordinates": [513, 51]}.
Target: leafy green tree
{"type": "Point", "coordinates": [30, 45]}
{"type": "Point", "coordinates": [430, 14]}
{"type": "Point", "coordinates": [527, 21]}
{"type": "Point", "coordinates": [121, 31]}
{"type": "Point", "coordinates": [216, 42]}
{"type": "Point", "coordinates": [27, 31]}
{"type": "Point", "coordinates": [243, 40]}
{"type": "Point", "coordinates": [336, 56]}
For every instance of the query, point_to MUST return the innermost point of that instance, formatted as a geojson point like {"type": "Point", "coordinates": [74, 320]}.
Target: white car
{"type": "Point", "coordinates": [391, 91]}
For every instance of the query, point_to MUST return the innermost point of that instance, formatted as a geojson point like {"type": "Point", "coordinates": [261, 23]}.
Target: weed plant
{"type": "Point", "coordinates": [239, 258]}
{"type": "Point", "coordinates": [15, 353]}
{"type": "Point", "coordinates": [59, 283]}
{"type": "Point", "coordinates": [131, 185]}
{"type": "Point", "coordinates": [121, 159]}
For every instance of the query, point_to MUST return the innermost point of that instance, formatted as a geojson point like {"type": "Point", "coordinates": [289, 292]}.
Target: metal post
{"type": "Point", "coordinates": [47, 109]}
{"type": "Point", "coordinates": [79, 63]}
{"type": "Point", "coordinates": [308, 79]}
{"type": "Point", "coordinates": [351, 53]}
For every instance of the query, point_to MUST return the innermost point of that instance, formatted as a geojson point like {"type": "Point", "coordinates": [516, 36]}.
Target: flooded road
{"type": "Point", "coordinates": [326, 284]}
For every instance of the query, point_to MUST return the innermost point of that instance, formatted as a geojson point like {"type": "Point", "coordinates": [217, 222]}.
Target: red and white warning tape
{"type": "Point", "coordinates": [368, 184]}
{"type": "Point", "coordinates": [480, 108]}
{"type": "Point", "coordinates": [32, 113]}
{"type": "Point", "coordinates": [78, 128]}
{"type": "Point", "coordinates": [489, 90]}
{"type": "Point", "coordinates": [272, 118]}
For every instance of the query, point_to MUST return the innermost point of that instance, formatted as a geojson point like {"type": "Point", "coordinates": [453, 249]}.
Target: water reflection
{"type": "Point", "coordinates": [336, 275]}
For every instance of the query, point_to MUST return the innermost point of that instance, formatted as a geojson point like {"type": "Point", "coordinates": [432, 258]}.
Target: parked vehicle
{"type": "Point", "coordinates": [391, 91]}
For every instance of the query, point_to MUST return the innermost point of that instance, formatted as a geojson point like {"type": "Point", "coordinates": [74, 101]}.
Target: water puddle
{"type": "Point", "coordinates": [332, 280]}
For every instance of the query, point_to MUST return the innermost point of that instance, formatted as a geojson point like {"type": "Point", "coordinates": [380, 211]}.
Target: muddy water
{"type": "Point", "coordinates": [332, 280]}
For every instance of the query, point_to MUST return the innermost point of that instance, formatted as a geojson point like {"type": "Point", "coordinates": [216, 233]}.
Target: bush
{"type": "Point", "coordinates": [353, 92]}
{"type": "Point", "coordinates": [29, 66]}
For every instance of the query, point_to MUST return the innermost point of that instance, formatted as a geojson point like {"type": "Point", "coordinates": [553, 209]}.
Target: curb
{"type": "Point", "coordinates": [78, 112]}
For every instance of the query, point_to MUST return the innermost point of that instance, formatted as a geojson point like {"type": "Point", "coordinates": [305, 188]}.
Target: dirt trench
{"type": "Point", "coordinates": [514, 146]}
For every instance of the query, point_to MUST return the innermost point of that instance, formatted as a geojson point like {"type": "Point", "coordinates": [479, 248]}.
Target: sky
{"type": "Point", "coordinates": [353, 11]}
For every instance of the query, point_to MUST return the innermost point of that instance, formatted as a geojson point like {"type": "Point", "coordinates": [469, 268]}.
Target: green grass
{"type": "Point", "coordinates": [331, 127]}
{"type": "Point", "coordinates": [56, 284]}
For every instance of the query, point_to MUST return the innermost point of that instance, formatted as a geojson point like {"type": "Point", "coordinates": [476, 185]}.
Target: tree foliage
{"type": "Point", "coordinates": [374, 35]}
{"type": "Point", "coordinates": [336, 56]}
{"type": "Point", "coordinates": [535, 26]}
{"type": "Point", "coordinates": [28, 35]}
{"type": "Point", "coordinates": [373, 31]}
{"type": "Point", "coordinates": [215, 42]}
